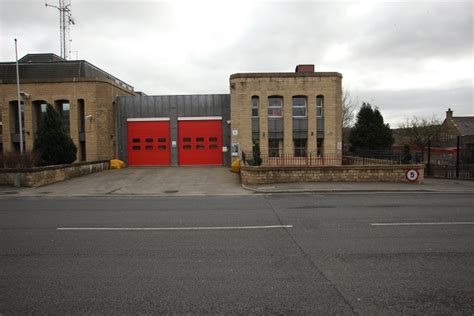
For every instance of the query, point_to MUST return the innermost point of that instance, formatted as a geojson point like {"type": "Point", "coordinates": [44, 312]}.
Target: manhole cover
{"type": "Point", "coordinates": [171, 191]}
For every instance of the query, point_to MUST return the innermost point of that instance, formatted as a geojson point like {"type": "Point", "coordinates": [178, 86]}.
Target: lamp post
{"type": "Point", "coordinates": [20, 123]}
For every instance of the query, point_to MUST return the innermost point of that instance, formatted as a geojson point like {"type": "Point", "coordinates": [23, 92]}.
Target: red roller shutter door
{"type": "Point", "coordinates": [200, 142]}
{"type": "Point", "coordinates": [148, 142]}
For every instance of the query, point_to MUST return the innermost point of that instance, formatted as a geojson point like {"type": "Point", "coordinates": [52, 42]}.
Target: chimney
{"type": "Point", "coordinates": [304, 68]}
{"type": "Point", "coordinates": [449, 114]}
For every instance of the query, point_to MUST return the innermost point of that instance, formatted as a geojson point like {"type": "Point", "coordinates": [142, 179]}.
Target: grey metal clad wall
{"type": "Point", "coordinates": [173, 106]}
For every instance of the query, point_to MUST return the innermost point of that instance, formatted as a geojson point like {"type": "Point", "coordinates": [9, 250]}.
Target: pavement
{"type": "Point", "coordinates": [211, 181]}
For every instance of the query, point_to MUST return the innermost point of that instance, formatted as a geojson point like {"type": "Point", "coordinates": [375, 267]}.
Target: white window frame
{"type": "Point", "coordinates": [276, 107]}
{"type": "Point", "coordinates": [320, 106]}
{"type": "Point", "coordinates": [257, 107]}
{"type": "Point", "coordinates": [299, 106]}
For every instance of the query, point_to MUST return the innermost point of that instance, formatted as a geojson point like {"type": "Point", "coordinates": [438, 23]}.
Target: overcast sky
{"type": "Point", "coordinates": [406, 57]}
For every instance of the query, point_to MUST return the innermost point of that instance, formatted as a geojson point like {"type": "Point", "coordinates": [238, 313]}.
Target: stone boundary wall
{"type": "Point", "coordinates": [35, 177]}
{"type": "Point", "coordinates": [368, 173]}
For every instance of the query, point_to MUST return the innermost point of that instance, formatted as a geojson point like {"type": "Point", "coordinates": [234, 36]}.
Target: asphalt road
{"type": "Point", "coordinates": [337, 256]}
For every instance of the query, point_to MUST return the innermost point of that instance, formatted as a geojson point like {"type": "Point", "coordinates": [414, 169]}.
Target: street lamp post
{"type": "Point", "coordinates": [20, 123]}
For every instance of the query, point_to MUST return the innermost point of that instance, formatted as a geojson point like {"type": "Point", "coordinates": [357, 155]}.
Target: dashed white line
{"type": "Point", "coordinates": [175, 228]}
{"type": "Point", "coordinates": [422, 224]}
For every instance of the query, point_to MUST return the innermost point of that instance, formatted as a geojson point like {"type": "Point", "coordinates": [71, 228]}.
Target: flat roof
{"type": "Point", "coordinates": [285, 74]}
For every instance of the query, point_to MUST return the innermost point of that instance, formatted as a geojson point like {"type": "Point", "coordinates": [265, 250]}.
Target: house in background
{"type": "Point", "coordinates": [454, 126]}
{"type": "Point", "coordinates": [82, 93]}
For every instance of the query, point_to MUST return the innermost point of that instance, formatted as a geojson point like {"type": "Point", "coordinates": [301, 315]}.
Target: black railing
{"type": "Point", "coordinates": [303, 158]}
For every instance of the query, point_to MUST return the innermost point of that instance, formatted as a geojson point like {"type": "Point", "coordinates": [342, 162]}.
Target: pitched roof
{"type": "Point", "coordinates": [464, 124]}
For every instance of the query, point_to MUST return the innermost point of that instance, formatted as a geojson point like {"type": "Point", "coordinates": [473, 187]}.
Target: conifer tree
{"type": "Point", "coordinates": [370, 132]}
{"type": "Point", "coordinates": [52, 144]}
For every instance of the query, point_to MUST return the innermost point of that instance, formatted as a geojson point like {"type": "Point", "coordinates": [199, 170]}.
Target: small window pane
{"type": "Point", "coordinates": [162, 147]}
{"type": "Point", "coordinates": [187, 147]}
{"type": "Point", "coordinates": [213, 146]}
{"type": "Point", "coordinates": [186, 139]}
{"type": "Point", "coordinates": [199, 139]}
{"type": "Point", "coordinates": [255, 104]}
{"type": "Point", "coordinates": [213, 139]}
{"type": "Point", "coordinates": [149, 147]}
{"type": "Point", "coordinates": [275, 112]}
{"type": "Point", "coordinates": [255, 112]}
{"type": "Point", "coordinates": [136, 147]}
{"type": "Point", "coordinates": [319, 112]}
{"type": "Point", "coordinates": [299, 112]}
{"type": "Point", "coordinates": [162, 140]}
{"type": "Point", "coordinates": [200, 147]}
{"type": "Point", "coordinates": [135, 140]}
{"type": "Point", "coordinates": [149, 140]}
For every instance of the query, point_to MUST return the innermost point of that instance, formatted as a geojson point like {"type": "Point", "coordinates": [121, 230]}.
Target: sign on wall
{"type": "Point", "coordinates": [235, 150]}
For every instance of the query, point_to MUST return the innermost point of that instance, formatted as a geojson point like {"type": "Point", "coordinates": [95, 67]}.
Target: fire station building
{"type": "Point", "coordinates": [293, 113]}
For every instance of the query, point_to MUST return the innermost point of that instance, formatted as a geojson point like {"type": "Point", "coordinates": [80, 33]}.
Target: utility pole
{"type": "Point", "coordinates": [65, 21]}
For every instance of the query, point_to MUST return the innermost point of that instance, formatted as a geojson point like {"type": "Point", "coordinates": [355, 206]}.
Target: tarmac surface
{"type": "Point", "coordinates": [190, 181]}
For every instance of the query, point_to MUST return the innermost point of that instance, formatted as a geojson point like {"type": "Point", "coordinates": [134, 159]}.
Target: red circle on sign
{"type": "Point", "coordinates": [412, 175]}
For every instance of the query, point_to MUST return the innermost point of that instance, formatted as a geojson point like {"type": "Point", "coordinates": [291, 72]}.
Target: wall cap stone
{"type": "Point", "coordinates": [52, 167]}
{"type": "Point", "coordinates": [342, 167]}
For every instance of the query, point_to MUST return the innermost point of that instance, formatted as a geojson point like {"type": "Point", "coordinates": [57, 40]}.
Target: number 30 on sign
{"type": "Point", "coordinates": [412, 175]}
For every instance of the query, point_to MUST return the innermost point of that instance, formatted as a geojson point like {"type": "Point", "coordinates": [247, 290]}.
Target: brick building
{"type": "Point", "coordinates": [84, 95]}
{"type": "Point", "coordinates": [287, 113]}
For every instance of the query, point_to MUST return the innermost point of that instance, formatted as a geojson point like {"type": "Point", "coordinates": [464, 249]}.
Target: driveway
{"type": "Point", "coordinates": [154, 181]}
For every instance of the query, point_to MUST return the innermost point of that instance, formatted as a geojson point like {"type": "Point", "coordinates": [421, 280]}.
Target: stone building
{"type": "Point", "coordinates": [84, 95]}
{"type": "Point", "coordinates": [462, 127]}
{"type": "Point", "coordinates": [291, 114]}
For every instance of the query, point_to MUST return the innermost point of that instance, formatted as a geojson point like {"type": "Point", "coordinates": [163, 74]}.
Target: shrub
{"type": "Point", "coordinates": [53, 144]}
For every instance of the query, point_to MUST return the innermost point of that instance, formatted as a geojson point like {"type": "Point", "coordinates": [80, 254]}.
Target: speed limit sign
{"type": "Point", "coordinates": [412, 175]}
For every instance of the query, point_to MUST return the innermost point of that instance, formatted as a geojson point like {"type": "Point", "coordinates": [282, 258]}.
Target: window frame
{"type": "Point", "coordinates": [255, 106]}
{"type": "Point", "coordinates": [275, 107]}
{"type": "Point", "coordinates": [320, 107]}
{"type": "Point", "coordinates": [305, 107]}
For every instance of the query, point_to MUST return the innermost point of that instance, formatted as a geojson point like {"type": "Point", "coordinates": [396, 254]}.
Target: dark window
{"type": "Point", "coordinates": [200, 147]}
{"type": "Point", "coordinates": [187, 147]}
{"type": "Point", "coordinates": [299, 106]}
{"type": "Point", "coordinates": [199, 139]}
{"type": "Point", "coordinates": [149, 147]}
{"type": "Point", "coordinates": [149, 140]}
{"type": "Point", "coordinates": [213, 146]}
{"type": "Point", "coordinates": [300, 146]}
{"type": "Point", "coordinates": [275, 106]}
{"type": "Point", "coordinates": [162, 140]}
{"type": "Point", "coordinates": [186, 139]}
{"type": "Point", "coordinates": [162, 147]}
{"type": "Point", "coordinates": [275, 147]}
{"type": "Point", "coordinates": [135, 140]}
{"type": "Point", "coordinates": [213, 139]}
{"type": "Point", "coordinates": [136, 147]}
{"type": "Point", "coordinates": [255, 105]}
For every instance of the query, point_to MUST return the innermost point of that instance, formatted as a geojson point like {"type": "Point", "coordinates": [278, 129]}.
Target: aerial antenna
{"type": "Point", "coordinates": [65, 21]}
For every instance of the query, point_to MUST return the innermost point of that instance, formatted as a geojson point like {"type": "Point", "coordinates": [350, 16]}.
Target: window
{"type": "Point", "coordinates": [213, 146]}
{"type": "Point", "coordinates": [300, 146]}
{"type": "Point", "coordinates": [63, 108]}
{"type": "Point", "coordinates": [162, 140]}
{"type": "Point", "coordinates": [186, 140]}
{"type": "Point", "coordinates": [82, 118]}
{"type": "Point", "coordinates": [135, 140]}
{"type": "Point", "coordinates": [136, 147]}
{"type": "Point", "coordinates": [200, 147]}
{"type": "Point", "coordinates": [149, 147]}
{"type": "Point", "coordinates": [163, 147]}
{"type": "Point", "coordinates": [275, 147]}
{"type": "Point", "coordinates": [299, 106]}
{"type": "Point", "coordinates": [213, 139]}
{"type": "Point", "coordinates": [255, 105]}
{"type": "Point", "coordinates": [187, 147]}
{"type": "Point", "coordinates": [275, 106]}
{"type": "Point", "coordinates": [149, 140]}
{"type": "Point", "coordinates": [319, 106]}
{"type": "Point", "coordinates": [199, 139]}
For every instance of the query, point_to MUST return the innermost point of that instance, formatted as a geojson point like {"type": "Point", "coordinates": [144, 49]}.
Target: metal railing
{"type": "Point", "coordinates": [313, 159]}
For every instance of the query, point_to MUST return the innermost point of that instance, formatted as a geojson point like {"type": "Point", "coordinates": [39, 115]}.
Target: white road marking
{"type": "Point", "coordinates": [422, 224]}
{"type": "Point", "coordinates": [175, 228]}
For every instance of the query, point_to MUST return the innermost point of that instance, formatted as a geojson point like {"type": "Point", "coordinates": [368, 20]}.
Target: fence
{"type": "Point", "coordinates": [313, 159]}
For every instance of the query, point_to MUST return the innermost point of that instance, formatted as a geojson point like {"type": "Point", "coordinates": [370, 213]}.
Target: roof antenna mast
{"type": "Point", "coordinates": [65, 21]}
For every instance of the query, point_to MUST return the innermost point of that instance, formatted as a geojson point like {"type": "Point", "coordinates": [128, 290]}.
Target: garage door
{"type": "Point", "coordinates": [148, 142]}
{"type": "Point", "coordinates": [200, 141]}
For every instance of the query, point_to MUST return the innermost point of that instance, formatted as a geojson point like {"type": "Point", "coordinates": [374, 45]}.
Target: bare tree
{"type": "Point", "coordinates": [420, 130]}
{"type": "Point", "coordinates": [349, 107]}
